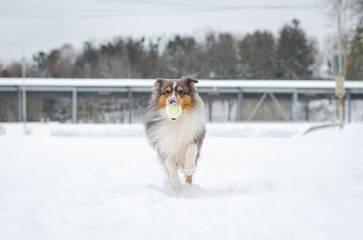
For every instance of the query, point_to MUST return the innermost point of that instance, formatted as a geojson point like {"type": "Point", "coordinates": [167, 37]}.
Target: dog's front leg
{"type": "Point", "coordinates": [189, 165]}
{"type": "Point", "coordinates": [173, 174]}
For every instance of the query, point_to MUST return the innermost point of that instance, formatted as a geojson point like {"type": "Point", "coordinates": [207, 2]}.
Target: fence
{"type": "Point", "coordinates": [124, 100]}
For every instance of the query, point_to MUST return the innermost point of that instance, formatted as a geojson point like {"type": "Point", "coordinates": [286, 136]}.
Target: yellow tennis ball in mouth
{"type": "Point", "coordinates": [173, 111]}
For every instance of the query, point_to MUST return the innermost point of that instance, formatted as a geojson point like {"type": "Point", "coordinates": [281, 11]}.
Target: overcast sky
{"type": "Point", "coordinates": [45, 24]}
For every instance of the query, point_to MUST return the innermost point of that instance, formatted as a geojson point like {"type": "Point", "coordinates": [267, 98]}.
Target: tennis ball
{"type": "Point", "coordinates": [173, 111]}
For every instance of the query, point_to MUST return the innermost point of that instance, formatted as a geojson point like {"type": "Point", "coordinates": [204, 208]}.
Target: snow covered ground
{"type": "Point", "coordinates": [254, 181]}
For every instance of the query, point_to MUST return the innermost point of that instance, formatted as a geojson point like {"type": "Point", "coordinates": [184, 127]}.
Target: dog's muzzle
{"type": "Point", "coordinates": [172, 102]}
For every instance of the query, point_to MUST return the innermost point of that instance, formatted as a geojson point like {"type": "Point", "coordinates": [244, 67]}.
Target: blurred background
{"type": "Point", "coordinates": [137, 40]}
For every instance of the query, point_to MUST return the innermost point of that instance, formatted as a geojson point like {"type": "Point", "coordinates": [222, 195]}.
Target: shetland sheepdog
{"type": "Point", "coordinates": [177, 140]}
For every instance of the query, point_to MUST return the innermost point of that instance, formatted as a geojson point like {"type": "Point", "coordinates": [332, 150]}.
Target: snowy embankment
{"type": "Point", "coordinates": [254, 181]}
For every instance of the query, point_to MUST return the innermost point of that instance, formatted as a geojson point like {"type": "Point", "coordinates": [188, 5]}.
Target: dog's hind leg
{"type": "Point", "coordinates": [172, 170]}
{"type": "Point", "coordinates": [189, 165]}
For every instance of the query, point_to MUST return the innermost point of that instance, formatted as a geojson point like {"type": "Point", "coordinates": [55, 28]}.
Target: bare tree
{"type": "Point", "coordinates": [14, 70]}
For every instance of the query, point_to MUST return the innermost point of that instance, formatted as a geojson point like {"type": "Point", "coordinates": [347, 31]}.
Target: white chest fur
{"type": "Point", "coordinates": [173, 137]}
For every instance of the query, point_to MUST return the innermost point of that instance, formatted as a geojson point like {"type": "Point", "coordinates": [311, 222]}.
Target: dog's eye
{"type": "Point", "coordinates": [167, 92]}
{"type": "Point", "coordinates": [180, 92]}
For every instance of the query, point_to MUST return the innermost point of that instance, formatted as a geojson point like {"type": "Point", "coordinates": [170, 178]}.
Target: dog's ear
{"type": "Point", "coordinates": [159, 82]}
{"type": "Point", "coordinates": [191, 81]}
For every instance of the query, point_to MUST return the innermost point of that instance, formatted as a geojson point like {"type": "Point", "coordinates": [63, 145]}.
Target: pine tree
{"type": "Point", "coordinates": [219, 57]}
{"type": "Point", "coordinates": [295, 54]}
{"type": "Point", "coordinates": [257, 52]}
{"type": "Point", "coordinates": [179, 57]}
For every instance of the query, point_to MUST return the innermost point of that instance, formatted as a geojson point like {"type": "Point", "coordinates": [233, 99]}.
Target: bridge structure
{"type": "Point", "coordinates": [288, 90]}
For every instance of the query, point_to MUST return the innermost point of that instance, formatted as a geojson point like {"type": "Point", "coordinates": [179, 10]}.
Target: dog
{"type": "Point", "coordinates": [177, 140]}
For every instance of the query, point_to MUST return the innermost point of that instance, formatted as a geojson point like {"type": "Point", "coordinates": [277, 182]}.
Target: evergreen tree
{"type": "Point", "coordinates": [295, 54]}
{"type": "Point", "coordinates": [113, 61]}
{"type": "Point", "coordinates": [41, 63]}
{"type": "Point", "coordinates": [57, 64]}
{"type": "Point", "coordinates": [179, 57]}
{"type": "Point", "coordinates": [257, 52]}
{"type": "Point", "coordinates": [219, 58]}
{"type": "Point", "coordinates": [87, 61]}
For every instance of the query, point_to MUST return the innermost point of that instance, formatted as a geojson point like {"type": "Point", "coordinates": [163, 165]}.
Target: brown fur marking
{"type": "Point", "coordinates": [162, 101]}
{"type": "Point", "coordinates": [188, 179]}
{"type": "Point", "coordinates": [185, 101]}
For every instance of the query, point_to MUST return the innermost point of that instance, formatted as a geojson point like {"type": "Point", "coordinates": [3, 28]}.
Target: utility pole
{"type": "Point", "coordinates": [23, 75]}
{"type": "Point", "coordinates": [340, 77]}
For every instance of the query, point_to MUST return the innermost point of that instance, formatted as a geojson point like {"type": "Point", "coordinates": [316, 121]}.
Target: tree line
{"type": "Point", "coordinates": [259, 55]}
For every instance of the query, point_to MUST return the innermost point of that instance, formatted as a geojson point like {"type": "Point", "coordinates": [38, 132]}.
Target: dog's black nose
{"type": "Point", "coordinates": [173, 102]}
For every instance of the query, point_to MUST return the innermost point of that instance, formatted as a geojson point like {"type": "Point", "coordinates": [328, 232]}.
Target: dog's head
{"type": "Point", "coordinates": [173, 93]}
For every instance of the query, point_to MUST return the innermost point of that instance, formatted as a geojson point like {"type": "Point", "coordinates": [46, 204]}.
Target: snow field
{"type": "Point", "coordinates": [253, 181]}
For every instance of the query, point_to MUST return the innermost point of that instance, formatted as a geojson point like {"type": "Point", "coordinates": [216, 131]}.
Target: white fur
{"type": "Point", "coordinates": [173, 174]}
{"type": "Point", "coordinates": [191, 155]}
{"type": "Point", "coordinates": [173, 137]}
{"type": "Point", "coordinates": [175, 141]}
{"type": "Point", "coordinates": [173, 96]}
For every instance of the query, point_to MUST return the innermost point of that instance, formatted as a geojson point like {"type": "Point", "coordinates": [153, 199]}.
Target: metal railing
{"type": "Point", "coordinates": [291, 91]}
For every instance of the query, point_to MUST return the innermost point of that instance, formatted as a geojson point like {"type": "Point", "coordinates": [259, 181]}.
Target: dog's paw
{"type": "Point", "coordinates": [177, 187]}
{"type": "Point", "coordinates": [189, 169]}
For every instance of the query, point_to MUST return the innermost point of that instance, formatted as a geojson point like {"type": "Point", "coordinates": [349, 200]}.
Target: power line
{"type": "Point", "coordinates": [146, 12]}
